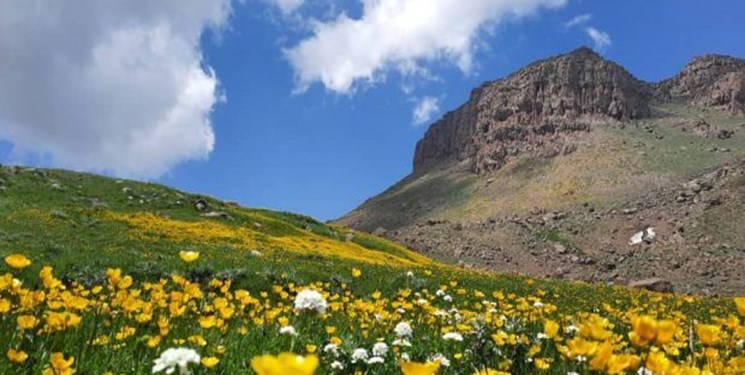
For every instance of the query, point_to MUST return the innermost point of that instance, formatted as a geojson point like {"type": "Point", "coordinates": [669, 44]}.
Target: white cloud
{"type": "Point", "coordinates": [578, 20]}
{"type": "Point", "coordinates": [600, 38]}
{"type": "Point", "coordinates": [287, 6]}
{"type": "Point", "coordinates": [394, 33]}
{"type": "Point", "coordinates": [425, 109]}
{"type": "Point", "coordinates": [108, 85]}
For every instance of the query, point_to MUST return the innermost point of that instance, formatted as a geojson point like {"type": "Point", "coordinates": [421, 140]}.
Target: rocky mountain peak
{"type": "Point", "coordinates": [535, 109]}
{"type": "Point", "coordinates": [711, 81]}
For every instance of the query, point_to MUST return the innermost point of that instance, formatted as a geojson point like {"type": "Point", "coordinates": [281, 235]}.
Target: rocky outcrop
{"type": "Point", "coordinates": [709, 81]}
{"type": "Point", "coordinates": [536, 110]}
{"type": "Point", "coordinates": [542, 108]}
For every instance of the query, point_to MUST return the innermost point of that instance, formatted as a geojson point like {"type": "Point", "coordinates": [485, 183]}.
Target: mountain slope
{"type": "Point", "coordinates": [81, 222]}
{"type": "Point", "coordinates": [553, 169]}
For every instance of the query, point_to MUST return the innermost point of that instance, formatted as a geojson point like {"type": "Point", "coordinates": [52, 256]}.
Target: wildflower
{"type": "Point", "coordinates": [331, 348]}
{"type": "Point", "coordinates": [379, 349]}
{"type": "Point", "coordinates": [452, 336]}
{"type": "Point", "coordinates": [284, 364]}
{"type": "Point", "coordinates": [403, 329]}
{"type": "Point", "coordinates": [27, 321]}
{"type": "Point", "coordinates": [310, 300]}
{"type": "Point", "coordinates": [17, 261]}
{"type": "Point", "coordinates": [60, 365]}
{"type": "Point", "coordinates": [336, 365]}
{"type": "Point", "coordinates": [189, 256]}
{"type": "Point", "coordinates": [176, 357]}
{"type": "Point", "coordinates": [359, 354]}
{"type": "Point", "coordinates": [356, 272]}
{"type": "Point", "coordinates": [17, 356]}
{"type": "Point", "coordinates": [740, 304]}
{"type": "Point", "coordinates": [210, 362]}
{"type": "Point", "coordinates": [708, 334]}
{"type": "Point", "coordinates": [441, 359]}
{"type": "Point", "coordinates": [646, 329]}
{"type": "Point", "coordinates": [410, 275]}
{"type": "Point", "coordinates": [415, 368]}
{"type": "Point", "coordinates": [288, 331]}
{"type": "Point", "coordinates": [375, 360]}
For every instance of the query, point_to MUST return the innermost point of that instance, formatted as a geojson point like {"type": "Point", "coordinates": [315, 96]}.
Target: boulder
{"type": "Point", "coordinates": [655, 284]}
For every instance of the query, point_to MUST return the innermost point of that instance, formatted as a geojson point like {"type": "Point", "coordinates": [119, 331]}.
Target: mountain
{"type": "Point", "coordinates": [555, 169]}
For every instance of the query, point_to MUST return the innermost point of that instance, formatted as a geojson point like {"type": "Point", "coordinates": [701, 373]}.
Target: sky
{"type": "Point", "coordinates": [309, 106]}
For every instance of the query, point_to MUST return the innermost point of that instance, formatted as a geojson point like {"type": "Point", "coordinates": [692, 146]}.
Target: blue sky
{"type": "Point", "coordinates": [322, 151]}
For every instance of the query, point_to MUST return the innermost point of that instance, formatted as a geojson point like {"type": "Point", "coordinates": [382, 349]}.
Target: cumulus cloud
{"type": "Point", "coordinates": [600, 39]}
{"type": "Point", "coordinates": [390, 34]}
{"type": "Point", "coordinates": [107, 85]}
{"type": "Point", "coordinates": [578, 20]}
{"type": "Point", "coordinates": [425, 109]}
{"type": "Point", "coordinates": [287, 6]}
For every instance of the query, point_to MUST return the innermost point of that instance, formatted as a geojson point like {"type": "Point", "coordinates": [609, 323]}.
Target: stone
{"type": "Point", "coordinates": [654, 284]}
{"type": "Point", "coordinates": [200, 204]}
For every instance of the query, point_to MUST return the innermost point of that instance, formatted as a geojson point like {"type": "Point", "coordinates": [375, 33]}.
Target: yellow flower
{"type": "Point", "coordinates": [542, 364]}
{"type": "Point", "coordinates": [27, 321]}
{"type": "Point", "coordinates": [17, 261]}
{"type": "Point", "coordinates": [310, 348]}
{"type": "Point", "coordinates": [17, 356]}
{"type": "Point", "coordinates": [356, 272]}
{"type": "Point", "coordinates": [414, 368]}
{"type": "Point", "coordinates": [153, 341]}
{"type": "Point", "coordinates": [488, 371]}
{"type": "Point", "coordinates": [285, 364]}
{"type": "Point", "coordinates": [740, 303]}
{"type": "Point", "coordinates": [60, 365]}
{"type": "Point", "coordinates": [550, 328]}
{"type": "Point", "coordinates": [603, 355]}
{"type": "Point", "coordinates": [646, 329]}
{"type": "Point", "coordinates": [189, 256]}
{"type": "Point", "coordinates": [708, 334]}
{"type": "Point", "coordinates": [210, 362]}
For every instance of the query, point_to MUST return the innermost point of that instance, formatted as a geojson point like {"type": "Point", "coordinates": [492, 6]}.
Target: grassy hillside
{"type": "Point", "coordinates": [622, 178]}
{"type": "Point", "coordinates": [93, 270]}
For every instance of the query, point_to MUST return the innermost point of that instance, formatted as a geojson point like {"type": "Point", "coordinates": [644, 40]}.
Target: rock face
{"type": "Point", "coordinates": [543, 107]}
{"type": "Point", "coordinates": [709, 81]}
{"type": "Point", "coordinates": [534, 110]}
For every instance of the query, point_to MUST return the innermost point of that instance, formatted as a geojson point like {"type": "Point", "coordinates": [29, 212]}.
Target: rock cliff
{"type": "Point", "coordinates": [540, 108]}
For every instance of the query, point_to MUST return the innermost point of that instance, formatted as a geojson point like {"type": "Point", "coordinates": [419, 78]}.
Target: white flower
{"type": "Point", "coordinates": [359, 354]}
{"type": "Point", "coordinates": [176, 357]}
{"type": "Point", "coordinates": [374, 360]}
{"type": "Point", "coordinates": [288, 331]}
{"type": "Point", "coordinates": [572, 373]}
{"type": "Point", "coordinates": [452, 336]}
{"type": "Point", "coordinates": [331, 348]}
{"type": "Point", "coordinates": [336, 365]}
{"type": "Point", "coordinates": [379, 349]}
{"type": "Point", "coordinates": [401, 342]}
{"type": "Point", "coordinates": [400, 311]}
{"type": "Point", "coordinates": [310, 300]}
{"type": "Point", "coordinates": [405, 357]}
{"type": "Point", "coordinates": [572, 329]}
{"type": "Point", "coordinates": [541, 336]}
{"type": "Point", "coordinates": [644, 371]}
{"type": "Point", "coordinates": [439, 357]}
{"type": "Point", "coordinates": [422, 301]}
{"type": "Point", "coordinates": [440, 293]}
{"type": "Point", "coordinates": [410, 274]}
{"type": "Point", "coordinates": [538, 304]}
{"type": "Point", "coordinates": [447, 298]}
{"type": "Point", "coordinates": [256, 253]}
{"type": "Point", "coordinates": [403, 329]}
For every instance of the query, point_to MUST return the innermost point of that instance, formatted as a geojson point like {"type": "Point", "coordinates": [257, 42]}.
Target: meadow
{"type": "Point", "coordinates": [103, 276]}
